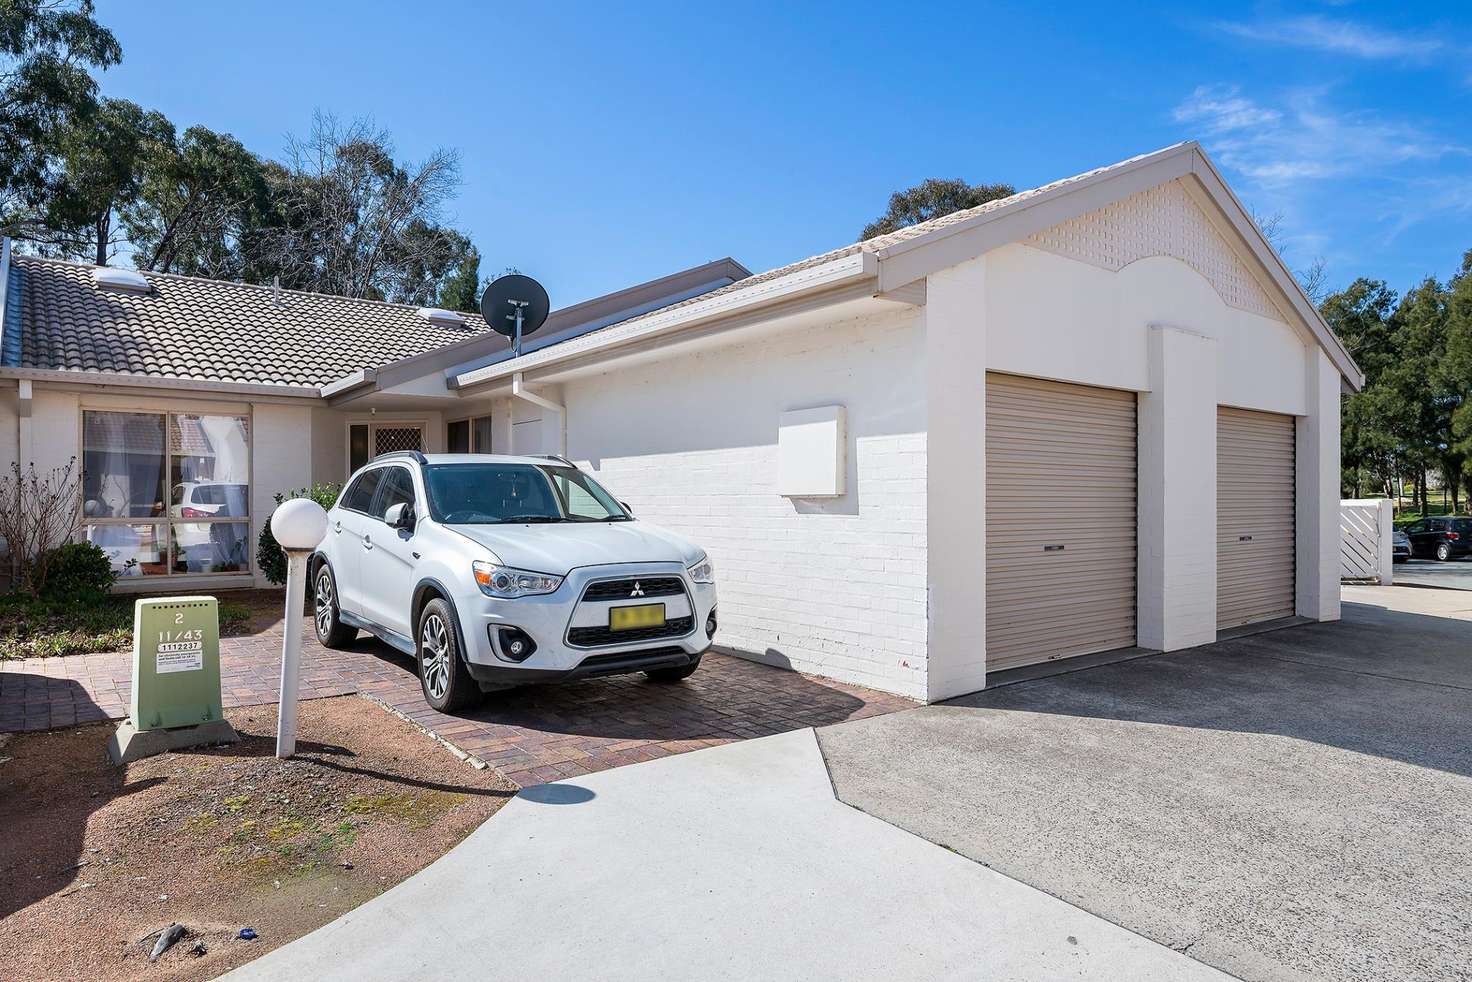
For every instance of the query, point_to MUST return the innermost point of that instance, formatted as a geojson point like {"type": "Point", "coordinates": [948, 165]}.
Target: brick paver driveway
{"type": "Point", "coordinates": [531, 735]}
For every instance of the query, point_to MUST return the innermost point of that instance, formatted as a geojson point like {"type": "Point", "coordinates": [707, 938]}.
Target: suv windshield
{"type": "Point", "coordinates": [491, 493]}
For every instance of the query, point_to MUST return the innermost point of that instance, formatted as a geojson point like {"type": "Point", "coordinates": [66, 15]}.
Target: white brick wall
{"type": "Point", "coordinates": [835, 586]}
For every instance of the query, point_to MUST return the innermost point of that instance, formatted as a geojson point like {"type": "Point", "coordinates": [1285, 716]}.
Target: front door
{"type": "Point", "coordinates": [369, 440]}
{"type": "Point", "coordinates": [388, 560]}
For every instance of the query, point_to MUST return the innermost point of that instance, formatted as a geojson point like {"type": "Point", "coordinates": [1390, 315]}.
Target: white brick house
{"type": "Point", "coordinates": [1094, 415]}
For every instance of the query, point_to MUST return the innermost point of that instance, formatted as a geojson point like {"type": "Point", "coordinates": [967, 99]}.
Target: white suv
{"type": "Point", "coordinates": [495, 571]}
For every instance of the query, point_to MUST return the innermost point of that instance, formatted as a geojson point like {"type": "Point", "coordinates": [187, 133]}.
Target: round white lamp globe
{"type": "Point", "coordinates": [299, 524]}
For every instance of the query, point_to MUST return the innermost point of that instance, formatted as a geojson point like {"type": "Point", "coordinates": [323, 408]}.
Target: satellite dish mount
{"type": "Point", "coordinates": [516, 306]}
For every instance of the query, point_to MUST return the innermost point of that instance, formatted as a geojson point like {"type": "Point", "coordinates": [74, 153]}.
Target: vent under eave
{"type": "Point", "coordinates": [441, 317]}
{"type": "Point", "coordinates": [127, 280]}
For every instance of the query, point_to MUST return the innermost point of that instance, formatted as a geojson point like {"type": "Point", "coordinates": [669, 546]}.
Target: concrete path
{"type": "Point", "coordinates": [731, 863]}
{"type": "Point", "coordinates": [1293, 805]}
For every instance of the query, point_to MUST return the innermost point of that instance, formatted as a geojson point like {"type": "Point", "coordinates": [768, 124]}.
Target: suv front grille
{"type": "Point", "coordinates": [591, 637]}
{"type": "Point", "coordinates": [649, 586]}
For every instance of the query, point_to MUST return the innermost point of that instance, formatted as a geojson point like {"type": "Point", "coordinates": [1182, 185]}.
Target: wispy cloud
{"type": "Point", "coordinates": [1440, 196]}
{"type": "Point", "coordinates": [1339, 37]}
{"type": "Point", "coordinates": [1302, 138]}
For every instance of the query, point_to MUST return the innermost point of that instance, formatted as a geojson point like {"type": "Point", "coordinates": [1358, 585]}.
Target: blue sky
{"type": "Point", "coordinates": [606, 144]}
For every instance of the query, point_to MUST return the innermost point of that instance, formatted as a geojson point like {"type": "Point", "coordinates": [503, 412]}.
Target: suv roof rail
{"type": "Point", "coordinates": [553, 456]}
{"type": "Point", "coordinates": [414, 455]}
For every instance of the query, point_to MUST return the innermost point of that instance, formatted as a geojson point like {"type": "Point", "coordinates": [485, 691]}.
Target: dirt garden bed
{"type": "Point", "coordinates": [98, 859]}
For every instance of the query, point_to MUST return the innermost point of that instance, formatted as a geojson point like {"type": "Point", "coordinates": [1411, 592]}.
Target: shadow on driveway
{"type": "Point", "coordinates": [1292, 805]}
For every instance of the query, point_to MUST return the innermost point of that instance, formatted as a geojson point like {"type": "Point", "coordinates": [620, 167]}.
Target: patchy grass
{"type": "Point", "coordinates": [34, 628]}
{"type": "Point", "coordinates": [101, 858]}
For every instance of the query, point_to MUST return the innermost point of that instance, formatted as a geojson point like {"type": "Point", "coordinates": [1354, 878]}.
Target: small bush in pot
{"type": "Point", "coordinates": [268, 552]}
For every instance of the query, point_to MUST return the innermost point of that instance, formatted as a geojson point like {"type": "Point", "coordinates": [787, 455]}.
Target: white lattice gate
{"type": "Point", "coordinates": [1365, 540]}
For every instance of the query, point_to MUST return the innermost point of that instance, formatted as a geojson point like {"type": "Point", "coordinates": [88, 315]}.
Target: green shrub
{"type": "Point", "coordinates": [78, 572]}
{"type": "Point", "coordinates": [268, 553]}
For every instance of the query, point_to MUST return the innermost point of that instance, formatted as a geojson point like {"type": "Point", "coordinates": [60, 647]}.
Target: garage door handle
{"type": "Point", "coordinates": [1244, 538]}
{"type": "Point", "coordinates": [1053, 548]}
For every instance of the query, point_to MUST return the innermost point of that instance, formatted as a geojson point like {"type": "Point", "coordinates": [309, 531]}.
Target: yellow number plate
{"type": "Point", "coordinates": [628, 618]}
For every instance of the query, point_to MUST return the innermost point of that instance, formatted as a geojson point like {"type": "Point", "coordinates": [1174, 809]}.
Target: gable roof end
{"type": "Point", "coordinates": [900, 258]}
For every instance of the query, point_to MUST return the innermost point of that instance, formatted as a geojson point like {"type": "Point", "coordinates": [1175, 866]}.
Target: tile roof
{"type": "Point", "coordinates": [231, 332]}
{"type": "Point", "coordinates": [57, 318]}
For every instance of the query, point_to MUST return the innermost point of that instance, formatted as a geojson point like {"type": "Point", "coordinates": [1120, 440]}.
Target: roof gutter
{"type": "Point", "coordinates": [119, 379]}
{"type": "Point", "coordinates": [349, 385]}
{"type": "Point", "coordinates": [845, 270]}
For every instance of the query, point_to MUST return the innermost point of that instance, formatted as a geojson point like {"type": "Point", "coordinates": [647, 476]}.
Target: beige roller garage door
{"type": "Point", "coordinates": [1060, 520]}
{"type": "Point", "coordinates": [1254, 517]}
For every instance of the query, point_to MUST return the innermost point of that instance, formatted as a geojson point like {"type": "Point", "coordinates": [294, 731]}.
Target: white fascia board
{"type": "Point", "coordinates": [845, 269]}
{"type": "Point", "coordinates": [354, 380]}
{"type": "Point", "coordinates": [121, 380]}
{"type": "Point", "coordinates": [1288, 286]}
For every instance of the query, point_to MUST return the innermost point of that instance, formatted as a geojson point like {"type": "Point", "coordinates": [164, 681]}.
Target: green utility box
{"type": "Point", "coordinates": [176, 662]}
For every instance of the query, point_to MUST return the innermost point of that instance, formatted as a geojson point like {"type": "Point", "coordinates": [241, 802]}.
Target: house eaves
{"type": "Point", "coordinates": [847, 270]}
{"type": "Point", "coordinates": [127, 381]}
{"type": "Point", "coordinates": [456, 359]}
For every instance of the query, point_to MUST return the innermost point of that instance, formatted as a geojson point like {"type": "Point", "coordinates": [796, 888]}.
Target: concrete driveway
{"type": "Point", "coordinates": [735, 863]}
{"type": "Point", "coordinates": [1290, 805]}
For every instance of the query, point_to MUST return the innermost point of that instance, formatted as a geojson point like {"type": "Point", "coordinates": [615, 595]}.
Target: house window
{"type": "Point", "coordinates": [468, 435]}
{"type": "Point", "coordinates": [167, 494]}
{"type": "Point", "coordinates": [369, 440]}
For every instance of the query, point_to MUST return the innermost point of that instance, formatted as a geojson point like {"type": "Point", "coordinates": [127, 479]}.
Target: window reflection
{"type": "Point", "coordinates": [133, 550]}
{"type": "Point", "coordinates": [188, 472]}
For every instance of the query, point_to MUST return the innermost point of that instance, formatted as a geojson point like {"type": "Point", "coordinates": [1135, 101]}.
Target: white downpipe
{"type": "Point", "coordinates": [520, 391]}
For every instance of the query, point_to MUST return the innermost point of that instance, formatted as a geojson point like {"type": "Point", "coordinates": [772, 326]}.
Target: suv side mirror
{"type": "Point", "coordinates": [400, 516]}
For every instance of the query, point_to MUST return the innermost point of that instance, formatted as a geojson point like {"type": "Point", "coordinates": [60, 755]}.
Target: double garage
{"type": "Point", "coordinates": [1061, 520]}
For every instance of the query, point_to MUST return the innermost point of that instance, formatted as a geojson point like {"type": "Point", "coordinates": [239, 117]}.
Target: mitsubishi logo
{"type": "Point", "coordinates": [638, 590]}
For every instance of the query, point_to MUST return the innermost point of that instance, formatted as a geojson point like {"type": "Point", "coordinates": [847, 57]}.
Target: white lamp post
{"type": "Point", "coordinates": [298, 526]}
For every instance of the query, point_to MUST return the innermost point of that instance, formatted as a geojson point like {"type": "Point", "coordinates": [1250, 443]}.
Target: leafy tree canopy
{"type": "Point", "coordinates": [932, 199]}
{"type": "Point", "coordinates": [46, 48]}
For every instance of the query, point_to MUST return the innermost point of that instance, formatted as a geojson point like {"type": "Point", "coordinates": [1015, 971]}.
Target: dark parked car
{"type": "Point", "coordinates": [1443, 538]}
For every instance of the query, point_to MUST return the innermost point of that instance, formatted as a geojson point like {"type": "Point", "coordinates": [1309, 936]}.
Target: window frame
{"type": "Point", "coordinates": [376, 511]}
{"type": "Point", "coordinates": [164, 523]}
{"type": "Point", "coordinates": [342, 498]}
{"type": "Point", "coordinates": [470, 421]}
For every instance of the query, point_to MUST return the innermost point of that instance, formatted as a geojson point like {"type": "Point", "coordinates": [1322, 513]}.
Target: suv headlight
{"type": "Point", "coordinates": [507, 583]}
{"type": "Point", "coordinates": [703, 571]}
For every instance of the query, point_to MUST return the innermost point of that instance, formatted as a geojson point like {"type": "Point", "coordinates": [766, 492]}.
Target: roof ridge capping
{"type": "Point", "coordinates": [149, 275]}
{"type": "Point", "coordinates": [903, 239]}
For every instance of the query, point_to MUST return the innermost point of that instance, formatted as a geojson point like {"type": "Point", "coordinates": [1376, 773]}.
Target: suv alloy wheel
{"type": "Point", "coordinates": [331, 631]}
{"type": "Point", "coordinates": [446, 683]}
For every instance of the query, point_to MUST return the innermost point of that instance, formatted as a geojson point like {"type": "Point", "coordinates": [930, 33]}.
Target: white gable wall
{"type": "Point", "coordinates": [833, 586]}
